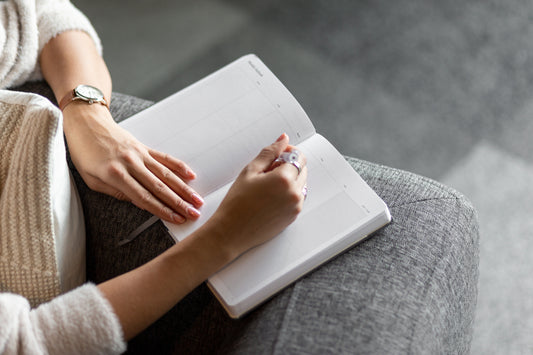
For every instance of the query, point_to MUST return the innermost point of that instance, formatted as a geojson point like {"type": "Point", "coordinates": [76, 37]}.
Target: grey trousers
{"type": "Point", "coordinates": [409, 289]}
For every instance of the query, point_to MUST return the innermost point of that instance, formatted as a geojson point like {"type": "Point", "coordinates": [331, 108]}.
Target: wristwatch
{"type": "Point", "coordinates": [87, 93]}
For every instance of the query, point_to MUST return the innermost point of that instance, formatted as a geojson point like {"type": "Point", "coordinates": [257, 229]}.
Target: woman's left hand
{"type": "Point", "coordinates": [112, 161]}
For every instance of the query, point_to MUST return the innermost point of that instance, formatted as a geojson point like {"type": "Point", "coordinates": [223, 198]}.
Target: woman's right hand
{"type": "Point", "coordinates": [261, 202]}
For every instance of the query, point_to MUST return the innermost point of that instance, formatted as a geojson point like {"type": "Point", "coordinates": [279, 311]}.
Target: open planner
{"type": "Point", "coordinates": [218, 125]}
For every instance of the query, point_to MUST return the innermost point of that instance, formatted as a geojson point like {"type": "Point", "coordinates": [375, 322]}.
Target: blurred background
{"type": "Point", "coordinates": [443, 88]}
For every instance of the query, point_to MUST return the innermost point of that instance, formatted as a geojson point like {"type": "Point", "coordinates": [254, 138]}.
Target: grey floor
{"type": "Point", "coordinates": [443, 88]}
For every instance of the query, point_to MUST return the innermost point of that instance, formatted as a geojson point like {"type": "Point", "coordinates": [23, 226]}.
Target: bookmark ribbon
{"type": "Point", "coordinates": [135, 233]}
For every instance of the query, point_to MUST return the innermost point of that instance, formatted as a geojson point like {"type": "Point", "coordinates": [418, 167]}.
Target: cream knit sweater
{"type": "Point", "coordinates": [26, 26]}
{"type": "Point", "coordinates": [81, 321]}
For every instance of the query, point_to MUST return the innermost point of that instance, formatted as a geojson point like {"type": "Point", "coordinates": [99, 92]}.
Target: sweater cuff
{"type": "Point", "coordinates": [81, 321]}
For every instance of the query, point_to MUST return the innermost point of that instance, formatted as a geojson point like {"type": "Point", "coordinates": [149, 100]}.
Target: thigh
{"type": "Point", "coordinates": [107, 219]}
{"type": "Point", "coordinates": [411, 288]}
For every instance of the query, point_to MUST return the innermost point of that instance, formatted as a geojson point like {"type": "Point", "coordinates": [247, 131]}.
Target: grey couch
{"type": "Point", "coordinates": [410, 289]}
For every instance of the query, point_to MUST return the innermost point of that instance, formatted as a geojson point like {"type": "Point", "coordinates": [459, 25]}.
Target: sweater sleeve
{"type": "Point", "coordinates": [79, 322]}
{"type": "Point", "coordinates": [55, 17]}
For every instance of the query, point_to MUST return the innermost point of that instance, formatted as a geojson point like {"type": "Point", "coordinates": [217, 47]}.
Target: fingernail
{"type": "Point", "coordinates": [191, 173]}
{"type": "Point", "coordinates": [197, 199]}
{"type": "Point", "coordinates": [280, 138]}
{"type": "Point", "coordinates": [178, 218]}
{"type": "Point", "coordinates": [193, 212]}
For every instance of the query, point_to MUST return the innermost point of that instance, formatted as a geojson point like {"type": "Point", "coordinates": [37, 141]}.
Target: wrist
{"type": "Point", "coordinates": [223, 238]}
{"type": "Point", "coordinates": [209, 244]}
{"type": "Point", "coordinates": [79, 112]}
{"type": "Point", "coordinates": [214, 238]}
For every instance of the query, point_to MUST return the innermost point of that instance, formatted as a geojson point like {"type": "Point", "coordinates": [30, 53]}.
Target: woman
{"type": "Point", "coordinates": [57, 41]}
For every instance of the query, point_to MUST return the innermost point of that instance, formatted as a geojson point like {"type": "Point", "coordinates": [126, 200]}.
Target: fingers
{"type": "Point", "coordinates": [149, 193]}
{"type": "Point", "coordinates": [264, 159]}
{"type": "Point", "coordinates": [297, 175]}
{"type": "Point", "coordinates": [166, 183]}
{"type": "Point", "coordinates": [176, 165]}
{"type": "Point", "coordinates": [301, 179]}
{"type": "Point", "coordinates": [145, 199]}
{"type": "Point", "coordinates": [154, 193]}
{"type": "Point", "coordinates": [301, 182]}
{"type": "Point", "coordinates": [133, 192]}
{"type": "Point", "coordinates": [172, 184]}
{"type": "Point", "coordinates": [291, 167]}
{"type": "Point", "coordinates": [152, 186]}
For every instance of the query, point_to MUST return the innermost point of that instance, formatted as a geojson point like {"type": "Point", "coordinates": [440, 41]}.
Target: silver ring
{"type": "Point", "coordinates": [296, 165]}
{"type": "Point", "coordinates": [305, 190]}
{"type": "Point", "coordinates": [287, 157]}
{"type": "Point", "coordinates": [290, 158]}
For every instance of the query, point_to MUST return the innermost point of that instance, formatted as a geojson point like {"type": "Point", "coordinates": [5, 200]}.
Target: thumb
{"type": "Point", "coordinates": [268, 154]}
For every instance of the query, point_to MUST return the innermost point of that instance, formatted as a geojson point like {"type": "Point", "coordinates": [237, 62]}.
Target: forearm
{"type": "Point", "coordinates": [108, 158]}
{"type": "Point", "coordinates": [71, 59]}
{"type": "Point", "coordinates": [141, 296]}
{"type": "Point", "coordinates": [259, 205]}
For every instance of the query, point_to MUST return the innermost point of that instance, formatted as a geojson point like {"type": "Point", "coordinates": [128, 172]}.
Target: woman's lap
{"type": "Point", "coordinates": [396, 292]}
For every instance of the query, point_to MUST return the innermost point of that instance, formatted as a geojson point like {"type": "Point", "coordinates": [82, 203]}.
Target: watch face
{"type": "Point", "coordinates": [89, 93]}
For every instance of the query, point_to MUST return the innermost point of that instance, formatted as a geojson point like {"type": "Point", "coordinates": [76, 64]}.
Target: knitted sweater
{"type": "Point", "coordinates": [78, 322]}
{"type": "Point", "coordinates": [25, 27]}
{"type": "Point", "coordinates": [82, 320]}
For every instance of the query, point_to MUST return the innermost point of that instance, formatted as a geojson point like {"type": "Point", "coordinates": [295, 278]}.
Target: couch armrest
{"type": "Point", "coordinates": [411, 288]}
